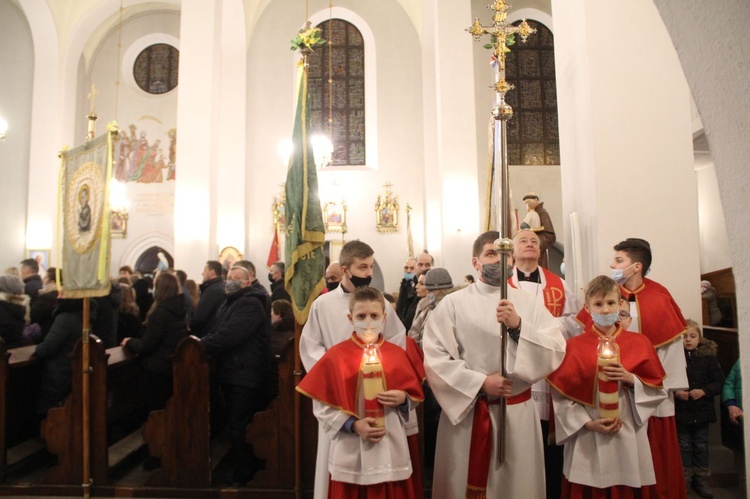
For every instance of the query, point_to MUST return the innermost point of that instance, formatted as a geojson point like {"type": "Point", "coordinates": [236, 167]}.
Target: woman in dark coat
{"type": "Point", "coordinates": [165, 326]}
{"type": "Point", "coordinates": [56, 350]}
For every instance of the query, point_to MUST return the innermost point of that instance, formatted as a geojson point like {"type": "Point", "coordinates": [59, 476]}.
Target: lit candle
{"type": "Point", "coordinates": [372, 384]}
{"type": "Point", "coordinates": [608, 352]}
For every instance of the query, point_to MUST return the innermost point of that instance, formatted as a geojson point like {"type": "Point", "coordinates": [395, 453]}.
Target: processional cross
{"type": "Point", "coordinates": [502, 35]}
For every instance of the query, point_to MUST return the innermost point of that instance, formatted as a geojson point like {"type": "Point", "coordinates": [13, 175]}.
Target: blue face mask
{"type": "Point", "coordinates": [605, 320]}
{"type": "Point", "coordinates": [562, 268]}
{"type": "Point", "coordinates": [618, 275]}
{"type": "Point", "coordinates": [408, 276]}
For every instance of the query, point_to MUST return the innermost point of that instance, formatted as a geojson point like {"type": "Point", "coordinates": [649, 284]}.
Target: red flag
{"type": "Point", "coordinates": [273, 253]}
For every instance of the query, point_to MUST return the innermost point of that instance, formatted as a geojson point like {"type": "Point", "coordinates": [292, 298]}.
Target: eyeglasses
{"type": "Point", "coordinates": [624, 315]}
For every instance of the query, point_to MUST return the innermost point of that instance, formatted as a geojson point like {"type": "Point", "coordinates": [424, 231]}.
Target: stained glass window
{"type": "Point", "coordinates": [155, 68]}
{"type": "Point", "coordinates": [337, 107]}
{"type": "Point", "coordinates": [532, 133]}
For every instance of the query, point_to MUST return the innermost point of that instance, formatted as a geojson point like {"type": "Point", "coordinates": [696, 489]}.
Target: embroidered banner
{"type": "Point", "coordinates": [85, 172]}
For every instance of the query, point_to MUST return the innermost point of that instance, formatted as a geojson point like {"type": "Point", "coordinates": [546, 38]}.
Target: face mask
{"type": "Point", "coordinates": [360, 282]}
{"type": "Point", "coordinates": [270, 277]}
{"type": "Point", "coordinates": [368, 331]}
{"type": "Point", "coordinates": [492, 273]}
{"type": "Point", "coordinates": [233, 286]}
{"type": "Point", "coordinates": [605, 320]}
{"type": "Point", "coordinates": [562, 268]}
{"type": "Point", "coordinates": [618, 275]}
{"type": "Point", "coordinates": [332, 285]}
{"type": "Point", "coordinates": [408, 276]}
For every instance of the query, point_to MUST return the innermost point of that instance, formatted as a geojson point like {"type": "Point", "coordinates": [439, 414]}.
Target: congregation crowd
{"type": "Point", "coordinates": [577, 422]}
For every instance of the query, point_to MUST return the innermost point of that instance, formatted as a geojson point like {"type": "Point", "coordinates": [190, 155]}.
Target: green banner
{"type": "Point", "coordinates": [305, 232]}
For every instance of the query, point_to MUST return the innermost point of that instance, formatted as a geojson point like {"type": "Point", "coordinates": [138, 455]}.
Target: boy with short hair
{"type": "Point", "coordinates": [366, 386]}
{"type": "Point", "coordinates": [604, 452]}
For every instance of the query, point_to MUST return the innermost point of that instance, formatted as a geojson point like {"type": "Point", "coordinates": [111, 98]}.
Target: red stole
{"type": "Point", "coordinates": [659, 317]}
{"type": "Point", "coordinates": [334, 379]}
{"type": "Point", "coordinates": [554, 292]}
{"type": "Point", "coordinates": [576, 378]}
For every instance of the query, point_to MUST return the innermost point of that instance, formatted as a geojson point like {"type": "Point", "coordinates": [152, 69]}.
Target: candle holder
{"type": "Point", "coordinates": [372, 384]}
{"type": "Point", "coordinates": [607, 352]}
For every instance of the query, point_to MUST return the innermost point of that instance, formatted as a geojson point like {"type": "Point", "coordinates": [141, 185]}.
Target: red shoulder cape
{"type": "Point", "coordinates": [659, 316]}
{"type": "Point", "coordinates": [576, 378]}
{"type": "Point", "coordinates": [334, 379]}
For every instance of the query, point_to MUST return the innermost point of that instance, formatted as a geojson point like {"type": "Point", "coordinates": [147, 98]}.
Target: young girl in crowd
{"type": "Point", "coordinates": [694, 408]}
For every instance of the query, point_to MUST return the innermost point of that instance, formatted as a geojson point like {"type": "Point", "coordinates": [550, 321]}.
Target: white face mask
{"type": "Point", "coordinates": [618, 275]}
{"type": "Point", "coordinates": [368, 331]}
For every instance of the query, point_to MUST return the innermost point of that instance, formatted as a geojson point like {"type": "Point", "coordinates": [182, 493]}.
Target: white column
{"type": "Point", "coordinates": [45, 126]}
{"type": "Point", "coordinates": [232, 123]}
{"type": "Point", "coordinates": [626, 141]}
{"type": "Point", "coordinates": [197, 119]}
{"type": "Point", "coordinates": [452, 205]}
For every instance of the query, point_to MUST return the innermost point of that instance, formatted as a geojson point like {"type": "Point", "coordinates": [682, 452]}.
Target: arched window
{"type": "Point", "coordinates": [341, 100]}
{"type": "Point", "coordinates": [532, 133]}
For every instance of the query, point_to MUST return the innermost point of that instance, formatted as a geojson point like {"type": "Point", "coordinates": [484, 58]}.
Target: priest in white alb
{"type": "Point", "coordinates": [462, 360]}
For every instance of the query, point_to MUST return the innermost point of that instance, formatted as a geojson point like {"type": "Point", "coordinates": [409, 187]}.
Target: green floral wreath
{"type": "Point", "coordinates": [311, 37]}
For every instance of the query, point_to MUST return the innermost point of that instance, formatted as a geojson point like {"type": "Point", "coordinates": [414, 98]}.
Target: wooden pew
{"type": "Point", "coordinates": [271, 433]}
{"type": "Point", "coordinates": [20, 375]}
{"type": "Point", "coordinates": [113, 397]}
{"type": "Point", "coordinates": [62, 429]}
{"type": "Point", "coordinates": [179, 434]}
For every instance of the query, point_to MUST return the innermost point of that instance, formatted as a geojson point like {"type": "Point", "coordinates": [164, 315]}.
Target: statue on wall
{"type": "Point", "coordinates": [545, 230]}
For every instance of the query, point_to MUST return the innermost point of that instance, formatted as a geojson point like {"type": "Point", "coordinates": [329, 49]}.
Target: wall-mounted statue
{"type": "Point", "coordinates": [545, 230]}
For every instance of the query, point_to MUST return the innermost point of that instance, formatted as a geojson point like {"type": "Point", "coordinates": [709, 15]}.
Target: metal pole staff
{"type": "Point", "coordinates": [502, 35]}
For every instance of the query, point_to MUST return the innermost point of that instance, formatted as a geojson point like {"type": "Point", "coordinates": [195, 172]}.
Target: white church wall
{"type": "Point", "coordinates": [627, 151]}
{"type": "Point", "coordinates": [713, 233]}
{"type": "Point", "coordinates": [151, 203]}
{"type": "Point", "coordinates": [17, 68]}
{"type": "Point", "coordinates": [396, 81]}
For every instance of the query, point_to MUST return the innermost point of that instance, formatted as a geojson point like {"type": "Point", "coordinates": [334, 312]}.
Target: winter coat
{"type": "Point", "coordinates": [281, 333]}
{"type": "Point", "coordinates": [166, 327]}
{"type": "Point", "coordinates": [42, 311]}
{"type": "Point", "coordinates": [56, 351]}
{"type": "Point", "coordinates": [703, 372]}
{"type": "Point", "coordinates": [278, 292]}
{"type": "Point", "coordinates": [213, 295]}
{"type": "Point", "coordinates": [14, 315]}
{"type": "Point", "coordinates": [32, 285]}
{"type": "Point", "coordinates": [240, 340]}
{"type": "Point", "coordinates": [732, 392]}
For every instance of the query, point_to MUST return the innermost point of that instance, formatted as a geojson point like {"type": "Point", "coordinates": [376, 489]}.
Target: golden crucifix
{"type": "Point", "coordinates": [502, 35]}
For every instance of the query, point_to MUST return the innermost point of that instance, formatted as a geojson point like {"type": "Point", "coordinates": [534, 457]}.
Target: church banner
{"type": "Point", "coordinates": [305, 231]}
{"type": "Point", "coordinates": [85, 172]}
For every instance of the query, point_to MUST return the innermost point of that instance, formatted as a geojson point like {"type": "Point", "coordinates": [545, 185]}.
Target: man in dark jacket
{"type": "Point", "coordinates": [276, 277]}
{"type": "Point", "coordinates": [32, 281]}
{"type": "Point", "coordinates": [240, 342]}
{"type": "Point", "coordinates": [212, 296]}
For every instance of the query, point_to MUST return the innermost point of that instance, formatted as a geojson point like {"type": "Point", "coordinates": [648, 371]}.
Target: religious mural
{"type": "Point", "coordinates": [142, 162]}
